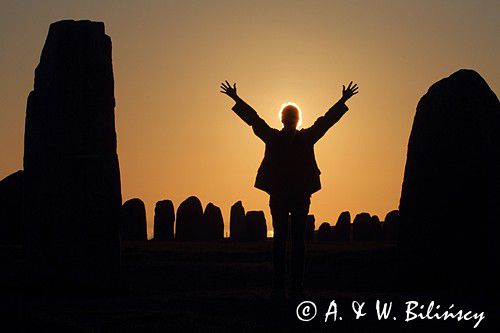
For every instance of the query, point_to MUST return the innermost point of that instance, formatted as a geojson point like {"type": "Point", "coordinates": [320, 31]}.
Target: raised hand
{"type": "Point", "coordinates": [228, 90]}
{"type": "Point", "coordinates": [349, 92]}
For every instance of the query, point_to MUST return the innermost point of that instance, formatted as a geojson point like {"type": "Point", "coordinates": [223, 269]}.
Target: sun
{"type": "Point", "coordinates": [294, 105]}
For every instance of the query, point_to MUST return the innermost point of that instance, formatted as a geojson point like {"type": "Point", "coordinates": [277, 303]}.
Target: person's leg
{"type": "Point", "coordinates": [279, 214]}
{"type": "Point", "coordinates": [298, 227]}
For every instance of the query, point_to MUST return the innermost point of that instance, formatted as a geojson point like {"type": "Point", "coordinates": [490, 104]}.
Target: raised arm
{"type": "Point", "coordinates": [333, 115]}
{"type": "Point", "coordinates": [247, 113]}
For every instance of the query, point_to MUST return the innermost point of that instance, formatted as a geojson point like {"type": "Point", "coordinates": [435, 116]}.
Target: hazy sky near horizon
{"type": "Point", "coordinates": [176, 133]}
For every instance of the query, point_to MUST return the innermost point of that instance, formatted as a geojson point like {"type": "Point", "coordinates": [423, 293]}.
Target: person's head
{"type": "Point", "coordinates": [290, 116]}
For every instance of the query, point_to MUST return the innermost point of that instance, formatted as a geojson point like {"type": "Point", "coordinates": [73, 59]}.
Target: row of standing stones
{"type": "Point", "coordinates": [69, 193]}
{"type": "Point", "coordinates": [194, 224]}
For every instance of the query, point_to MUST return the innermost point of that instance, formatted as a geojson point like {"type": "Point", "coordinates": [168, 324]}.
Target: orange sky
{"type": "Point", "coordinates": [176, 134]}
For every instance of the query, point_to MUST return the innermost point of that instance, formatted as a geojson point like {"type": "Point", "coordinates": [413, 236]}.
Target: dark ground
{"type": "Point", "coordinates": [224, 286]}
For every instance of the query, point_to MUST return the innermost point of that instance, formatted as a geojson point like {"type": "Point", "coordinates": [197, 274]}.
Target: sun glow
{"type": "Point", "coordinates": [294, 105]}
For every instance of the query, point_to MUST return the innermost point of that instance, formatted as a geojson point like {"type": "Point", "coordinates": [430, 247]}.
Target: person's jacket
{"type": "Point", "coordinates": [289, 164]}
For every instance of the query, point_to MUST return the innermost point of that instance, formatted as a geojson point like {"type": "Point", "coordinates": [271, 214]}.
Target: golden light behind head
{"type": "Point", "coordinates": [284, 105]}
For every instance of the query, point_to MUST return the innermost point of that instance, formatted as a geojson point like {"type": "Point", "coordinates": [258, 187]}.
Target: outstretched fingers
{"type": "Point", "coordinates": [225, 87]}
{"type": "Point", "coordinates": [354, 88]}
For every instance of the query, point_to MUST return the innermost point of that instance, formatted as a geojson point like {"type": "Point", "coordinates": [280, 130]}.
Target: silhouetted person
{"type": "Point", "coordinates": [289, 174]}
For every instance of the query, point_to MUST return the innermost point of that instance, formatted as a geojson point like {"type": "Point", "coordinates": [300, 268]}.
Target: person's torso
{"type": "Point", "coordinates": [289, 164]}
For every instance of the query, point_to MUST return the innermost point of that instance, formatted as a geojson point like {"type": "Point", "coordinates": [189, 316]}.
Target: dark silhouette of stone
{"type": "Point", "coordinates": [390, 225]}
{"type": "Point", "coordinates": [72, 175]}
{"type": "Point", "coordinates": [188, 225]}
{"type": "Point", "coordinates": [324, 232]}
{"type": "Point", "coordinates": [256, 225]}
{"type": "Point", "coordinates": [134, 226]}
{"type": "Point", "coordinates": [310, 226]}
{"type": "Point", "coordinates": [11, 208]}
{"type": "Point", "coordinates": [342, 230]}
{"type": "Point", "coordinates": [164, 221]}
{"type": "Point", "coordinates": [237, 225]}
{"type": "Point", "coordinates": [362, 229]}
{"type": "Point", "coordinates": [212, 223]}
{"type": "Point", "coordinates": [449, 221]}
{"type": "Point", "coordinates": [376, 227]}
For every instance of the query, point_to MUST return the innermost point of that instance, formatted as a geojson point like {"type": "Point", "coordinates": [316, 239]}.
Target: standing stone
{"type": "Point", "coordinates": [362, 228]}
{"type": "Point", "coordinates": [11, 208]}
{"type": "Point", "coordinates": [256, 225]}
{"type": "Point", "coordinates": [342, 230]}
{"type": "Point", "coordinates": [188, 225]}
{"type": "Point", "coordinates": [449, 221]}
{"type": "Point", "coordinates": [72, 176]}
{"type": "Point", "coordinates": [390, 225]}
{"type": "Point", "coordinates": [212, 223]}
{"type": "Point", "coordinates": [376, 227]}
{"type": "Point", "coordinates": [164, 221]}
{"type": "Point", "coordinates": [134, 226]}
{"type": "Point", "coordinates": [324, 232]}
{"type": "Point", "coordinates": [237, 225]}
{"type": "Point", "coordinates": [310, 226]}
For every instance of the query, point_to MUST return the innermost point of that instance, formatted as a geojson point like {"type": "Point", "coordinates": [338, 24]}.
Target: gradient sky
{"type": "Point", "coordinates": [176, 133]}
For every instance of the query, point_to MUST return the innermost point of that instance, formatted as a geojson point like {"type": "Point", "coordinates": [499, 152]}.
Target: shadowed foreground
{"type": "Point", "coordinates": [225, 286]}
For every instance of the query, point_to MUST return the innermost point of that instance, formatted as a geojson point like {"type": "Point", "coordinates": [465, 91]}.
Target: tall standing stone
{"type": "Point", "coordinates": [342, 230]}
{"type": "Point", "coordinates": [134, 227]}
{"type": "Point", "coordinates": [376, 228]}
{"type": "Point", "coordinates": [310, 226]}
{"type": "Point", "coordinates": [390, 225]}
{"type": "Point", "coordinates": [449, 221]}
{"type": "Point", "coordinates": [362, 227]}
{"type": "Point", "coordinates": [324, 232]}
{"type": "Point", "coordinates": [237, 225]}
{"type": "Point", "coordinates": [164, 220]}
{"type": "Point", "coordinates": [256, 225]}
{"type": "Point", "coordinates": [72, 176]}
{"type": "Point", "coordinates": [188, 225]}
{"type": "Point", "coordinates": [212, 223]}
{"type": "Point", "coordinates": [11, 208]}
